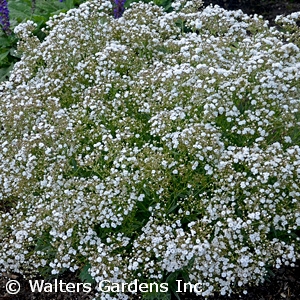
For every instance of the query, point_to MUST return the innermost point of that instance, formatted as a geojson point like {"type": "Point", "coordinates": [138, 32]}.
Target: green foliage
{"type": "Point", "coordinates": [8, 55]}
{"type": "Point", "coordinates": [85, 275]}
{"type": "Point", "coordinates": [21, 11]}
{"type": "Point", "coordinates": [166, 4]}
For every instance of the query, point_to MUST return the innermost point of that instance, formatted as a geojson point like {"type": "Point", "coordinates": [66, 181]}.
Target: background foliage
{"type": "Point", "coordinates": [20, 11]}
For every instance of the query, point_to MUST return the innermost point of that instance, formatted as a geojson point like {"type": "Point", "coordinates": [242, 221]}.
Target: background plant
{"type": "Point", "coordinates": [38, 11]}
{"type": "Point", "coordinates": [159, 145]}
{"type": "Point", "coordinates": [20, 11]}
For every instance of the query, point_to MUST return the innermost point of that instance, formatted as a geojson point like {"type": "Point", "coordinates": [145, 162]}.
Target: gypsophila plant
{"type": "Point", "coordinates": [154, 146]}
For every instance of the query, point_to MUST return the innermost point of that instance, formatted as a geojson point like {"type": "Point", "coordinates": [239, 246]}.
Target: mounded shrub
{"type": "Point", "coordinates": [157, 146]}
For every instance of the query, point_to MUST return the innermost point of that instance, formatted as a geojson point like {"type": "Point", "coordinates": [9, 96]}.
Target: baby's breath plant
{"type": "Point", "coordinates": [134, 148]}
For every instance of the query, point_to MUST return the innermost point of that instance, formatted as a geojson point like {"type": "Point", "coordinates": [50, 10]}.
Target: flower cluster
{"type": "Point", "coordinates": [4, 17]}
{"type": "Point", "coordinates": [152, 144]}
{"type": "Point", "coordinates": [119, 9]}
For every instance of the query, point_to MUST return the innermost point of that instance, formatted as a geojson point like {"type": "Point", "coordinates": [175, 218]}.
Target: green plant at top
{"type": "Point", "coordinates": [133, 148]}
{"type": "Point", "coordinates": [20, 11]}
{"type": "Point", "coordinates": [38, 11]}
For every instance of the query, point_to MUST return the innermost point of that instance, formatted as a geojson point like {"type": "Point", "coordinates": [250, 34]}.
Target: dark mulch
{"type": "Point", "coordinates": [269, 9]}
{"type": "Point", "coordinates": [284, 285]}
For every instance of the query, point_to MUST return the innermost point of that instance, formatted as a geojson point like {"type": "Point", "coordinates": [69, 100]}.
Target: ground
{"type": "Point", "coordinates": [269, 9]}
{"type": "Point", "coordinates": [284, 284]}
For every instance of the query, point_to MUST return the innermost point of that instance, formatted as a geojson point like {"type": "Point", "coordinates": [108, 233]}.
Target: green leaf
{"type": "Point", "coordinates": [13, 52]}
{"type": "Point", "coordinates": [172, 208]}
{"type": "Point", "coordinates": [46, 8]}
{"type": "Point", "coordinates": [39, 20]}
{"type": "Point", "coordinates": [4, 42]}
{"type": "Point", "coordinates": [69, 4]}
{"type": "Point", "coordinates": [4, 55]}
{"type": "Point", "coordinates": [85, 276]}
{"type": "Point", "coordinates": [19, 11]}
{"type": "Point", "coordinates": [4, 72]}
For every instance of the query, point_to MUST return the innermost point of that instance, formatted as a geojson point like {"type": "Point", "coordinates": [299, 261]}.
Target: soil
{"type": "Point", "coordinates": [284, 284]}
{"type": "Point", "coordinates": [269, 9]}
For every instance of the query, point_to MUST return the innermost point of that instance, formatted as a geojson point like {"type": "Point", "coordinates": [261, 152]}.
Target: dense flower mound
{"type": "Point", "coordinates": [154, 146]}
